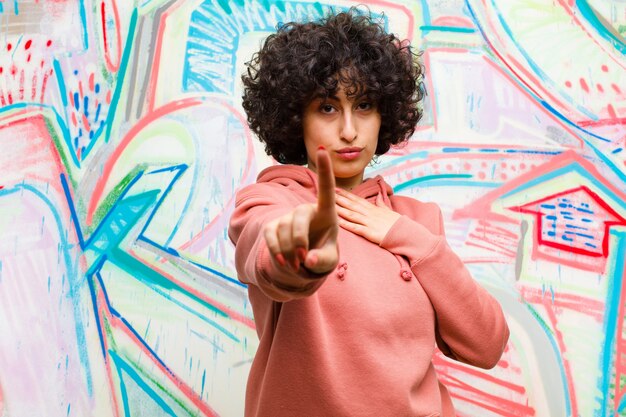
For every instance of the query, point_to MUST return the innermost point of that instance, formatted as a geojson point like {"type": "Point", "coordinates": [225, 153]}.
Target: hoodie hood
{"type": "Point", "coordinates": [296, 176]}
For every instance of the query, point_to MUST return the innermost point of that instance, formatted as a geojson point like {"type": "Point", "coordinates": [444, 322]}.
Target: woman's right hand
{"type": "Point", "coordinates": [307, 235]}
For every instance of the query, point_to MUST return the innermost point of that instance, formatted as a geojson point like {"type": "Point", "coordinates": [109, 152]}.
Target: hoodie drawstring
{"type": "Point", "coordinates": [405, 273]}
{"type": "Point", "coordinates": [341, 270]}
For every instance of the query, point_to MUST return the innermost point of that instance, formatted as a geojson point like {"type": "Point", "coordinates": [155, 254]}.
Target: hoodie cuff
{"type": "Point", "coordinates": [410, 239]}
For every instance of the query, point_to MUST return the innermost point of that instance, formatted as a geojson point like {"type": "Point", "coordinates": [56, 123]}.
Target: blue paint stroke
{"type": "Point", "coordinates": [572, 167]}
{"type": "Point", "coordinates": [614, 289]}
{"type": "Point", "coordinates": [589, 14]}
{"type": "Point", "coordinates": [122, 365]}
{"type": "Point", "coordinates": [128, 46]}
{"type": "Point", "coordinates": [454, 29]}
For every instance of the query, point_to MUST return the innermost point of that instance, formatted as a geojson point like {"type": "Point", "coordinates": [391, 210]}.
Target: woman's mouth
{"type": "Point", "coordinates": [349, 154]}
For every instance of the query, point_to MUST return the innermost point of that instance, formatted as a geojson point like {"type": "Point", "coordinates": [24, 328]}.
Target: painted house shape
{"type": "Point", "coordinates": [572, 208]}
{"type": "Point", "coordinates": [576, 220]}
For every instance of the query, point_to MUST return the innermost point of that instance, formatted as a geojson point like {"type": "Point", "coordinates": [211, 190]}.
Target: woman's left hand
{"type": "Point", "coordinates": [357, 215]}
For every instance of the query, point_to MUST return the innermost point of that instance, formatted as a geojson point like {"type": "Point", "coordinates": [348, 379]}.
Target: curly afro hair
{"type": "Point", "coordinates": [306, 60]}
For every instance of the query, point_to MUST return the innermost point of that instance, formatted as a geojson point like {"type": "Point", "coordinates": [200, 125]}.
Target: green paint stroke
{"type": "Point", "coordinates": [110, 200]}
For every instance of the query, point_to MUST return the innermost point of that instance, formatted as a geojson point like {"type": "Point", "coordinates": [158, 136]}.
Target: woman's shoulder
{"type": "Point", "coordinates": [410, 204]}
{"type": "Point", "coordinates": [427, 213]}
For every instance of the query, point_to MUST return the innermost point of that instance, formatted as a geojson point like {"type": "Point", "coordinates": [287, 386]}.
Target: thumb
{"type": "Point", "coordinates": [322, 260]}
{"type": "Point", "coordinates": [379, 200]}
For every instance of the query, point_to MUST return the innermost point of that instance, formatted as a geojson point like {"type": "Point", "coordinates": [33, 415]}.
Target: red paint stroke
{"type": "Point", "coordinates": [118, 324]}
{"type": "Point", "coordinates": [520, 410]}
{"type": "Point", "coordinates": [414, 163]}
{"type": "Point", "coordinates": [86, 123]}
{"type": "Point", "coordinates": [501, 248]}
{"type": "Point", "coordinates": [609, 216]}
{"type": "Point", "coordinates": [499, 404]}
{"type": "Point", "coordinates": [475, 373]}
{"type": "Point", "coordinates": [22, 82]}
{"type": "Point", "coordinates": [33, 89]}
{"type": "Point", "coordinates": [92, 84]}
{"type": "Point", "coordinates": [503, 258]}
{"type": "Point", "coordinates": [41, 147]}
{"type": "Point", "coordinates": [112, 65]}
{"type": "Point", "coordinates": [560, 300]}
{"type": "Point", "coordinates": [491, 227]}
{"type": "Point", "coordinates": [583, 85]}
{"type": "Point", "coordinates": [46, 76]}
{"type": "Point", "coordinates": [500, 239]}
{"type": "Point", "coordinates": [481, 208]}
{"type": "Point", "coordinates": [454, 21]}
{"type": "Point", "coordinates": [589, 263]}
{"type": "Point", "coordinates": [232, 314]}
{"type": "Point", "coordinates": [149, 118]}
{"type": "Point", "coordinates": [485, 260]}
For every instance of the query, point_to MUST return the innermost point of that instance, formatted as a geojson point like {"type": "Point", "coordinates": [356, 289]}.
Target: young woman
{"type": "Point", "coordinates": [352, 287]}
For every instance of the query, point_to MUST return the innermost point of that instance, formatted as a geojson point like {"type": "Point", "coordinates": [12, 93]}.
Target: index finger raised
{"type": "Point", "coordinates": [326, 182]}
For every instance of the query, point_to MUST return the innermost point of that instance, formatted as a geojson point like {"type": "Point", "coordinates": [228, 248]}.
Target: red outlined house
{"type": "Point", "coordinates": [569, 207]}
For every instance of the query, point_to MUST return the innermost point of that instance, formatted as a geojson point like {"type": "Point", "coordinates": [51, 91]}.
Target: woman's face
{"type": "Point", "coordinates": [348, 128]}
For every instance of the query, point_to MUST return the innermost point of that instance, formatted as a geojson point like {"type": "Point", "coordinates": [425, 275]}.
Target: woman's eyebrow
{"type": "Point", "coordinates": [324, 97]}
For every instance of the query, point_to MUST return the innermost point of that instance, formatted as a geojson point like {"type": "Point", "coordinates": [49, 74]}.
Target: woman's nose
{"type": "Point", "coordinates": [348, 128]}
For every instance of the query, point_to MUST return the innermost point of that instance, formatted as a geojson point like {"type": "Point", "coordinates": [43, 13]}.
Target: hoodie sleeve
{"type": "Point", "coordinates": [470, 327]}
{"type": "Point", "coordinates": [256, 205]}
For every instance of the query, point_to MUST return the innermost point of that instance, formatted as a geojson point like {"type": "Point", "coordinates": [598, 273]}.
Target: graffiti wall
{"type": "Point", "coordinates": [123, 142]}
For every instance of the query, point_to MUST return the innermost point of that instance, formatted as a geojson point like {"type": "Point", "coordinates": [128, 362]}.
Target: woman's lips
{"type": "Point", "coordinates": [349, 153]}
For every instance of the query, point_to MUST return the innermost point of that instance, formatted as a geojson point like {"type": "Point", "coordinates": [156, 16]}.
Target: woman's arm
{"type": "Point", "coordinates": [471, 326]}
{"type": "Point", "coordinates": [285, 250]}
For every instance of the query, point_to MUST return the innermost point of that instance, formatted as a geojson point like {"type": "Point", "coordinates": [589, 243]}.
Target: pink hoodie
{"type": "Point", "coordinates": [359, 341]}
